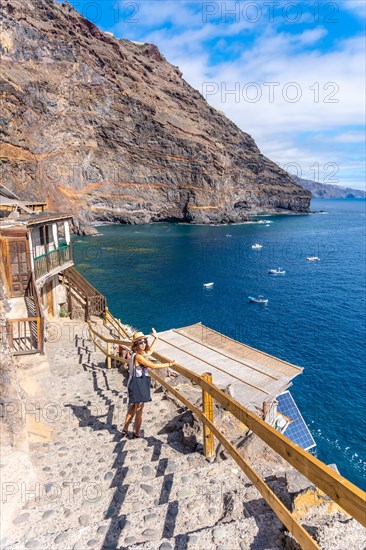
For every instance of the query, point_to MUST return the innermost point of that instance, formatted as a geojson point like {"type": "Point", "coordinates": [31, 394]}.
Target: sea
{"type": "Point", "coordinates": [153, 276]}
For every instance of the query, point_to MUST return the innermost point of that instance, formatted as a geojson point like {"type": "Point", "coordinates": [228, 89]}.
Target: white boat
{"type": "Point", "coordinates": [208, 285]}
{"type": "Point", "coordinates": [228, 235]}
{"type": "Point", "coordinates": [258, 299]}
{"type": "Point", "coordinates": [257, 246]}
{"type": "Point", "coordinates": [278, 271]}
{"type": "Point", "coordinates": [313, 258]}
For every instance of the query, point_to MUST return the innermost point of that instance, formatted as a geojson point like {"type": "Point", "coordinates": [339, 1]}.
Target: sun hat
{"type": "Point", "coordinates": [138, 336]}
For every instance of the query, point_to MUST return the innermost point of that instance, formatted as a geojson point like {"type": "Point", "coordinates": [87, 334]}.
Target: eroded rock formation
{"type": "Point", "coordinates": [108, 129]}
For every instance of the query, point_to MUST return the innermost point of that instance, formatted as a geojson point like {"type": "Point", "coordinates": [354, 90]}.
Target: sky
{"type": "Point", "coordinates": [289, 73]}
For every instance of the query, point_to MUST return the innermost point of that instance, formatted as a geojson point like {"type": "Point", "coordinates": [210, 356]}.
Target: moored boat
{"type": "Point", "coordinates": [313, 258]}
{"type": "Point", "coordinates": [257, 246]}
{"type": "Point", "coordinates": [208, 285]}
{"type": "Point", "coordinates": [258, 300]}
{"type": "Point", "coordinates": [278, 271]}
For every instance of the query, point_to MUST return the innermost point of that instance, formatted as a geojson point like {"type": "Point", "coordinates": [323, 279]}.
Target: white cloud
{"type": "Point", "coordinates": [302, 88]}
{"type": "Point", "coordinates": [312, 36]}
{"type": "Point", "coordinates": [349, 137]}
{"type": "Point", "coordinates": [358, 7]}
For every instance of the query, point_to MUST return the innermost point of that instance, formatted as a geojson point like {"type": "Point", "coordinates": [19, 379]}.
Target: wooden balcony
{"type": "Point", "coordinates": [53, 261]}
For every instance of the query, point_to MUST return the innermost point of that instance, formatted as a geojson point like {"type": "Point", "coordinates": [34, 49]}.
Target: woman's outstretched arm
{"type": "Point", "coordinates": [146, 363]}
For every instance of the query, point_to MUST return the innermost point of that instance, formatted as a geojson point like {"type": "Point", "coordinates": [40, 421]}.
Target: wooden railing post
{"type": "Point", "coordinates": [207, 405]}
{"type": "Point", "coordinates": [106, 315]}
{"type": "Point", "coordinates": [109, 359]}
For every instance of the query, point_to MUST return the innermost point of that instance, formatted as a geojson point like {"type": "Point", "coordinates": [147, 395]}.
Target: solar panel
{"type": "Point", "coordinates": [297, 430]}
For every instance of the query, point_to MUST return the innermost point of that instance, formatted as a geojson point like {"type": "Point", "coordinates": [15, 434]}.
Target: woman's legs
{"type": "Point", "coordinates": [138, 419]}
{"type": "Point", "coordinates": [129, 416]}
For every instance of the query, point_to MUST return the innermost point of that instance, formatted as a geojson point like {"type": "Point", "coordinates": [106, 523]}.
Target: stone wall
{"type": "Point", "coordinates": [15, 467]}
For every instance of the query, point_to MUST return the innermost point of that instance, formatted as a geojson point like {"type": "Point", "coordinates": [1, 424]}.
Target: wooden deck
{"type": "Point", "coordinates": [254, 376]}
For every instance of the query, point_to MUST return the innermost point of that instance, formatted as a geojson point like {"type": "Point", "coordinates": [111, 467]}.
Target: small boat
{"type": "Point", "coordinates": [257, 246]}
{"type": "Point", "coordinates": [208, 285]}
{"type": "Point", "coordinates": [228, 235]}
{"type": "Point", "coordinates": [258, 299]}
{"type": "Point", "coordinates": [313, 258]}
{"type": "Point", "coordinates": [278, 271]}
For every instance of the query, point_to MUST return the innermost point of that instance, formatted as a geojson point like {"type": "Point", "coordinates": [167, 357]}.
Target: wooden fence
{"type": "Point", "coordinates": [340, 490]}
{"type": "Point", "coordinates": [92, 301]}
{"type": "Point", "coordinates": [26, 335]}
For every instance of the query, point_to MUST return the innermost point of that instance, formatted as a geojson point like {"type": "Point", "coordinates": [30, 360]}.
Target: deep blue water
{"type": "Point", "coordinates": [153, 275]}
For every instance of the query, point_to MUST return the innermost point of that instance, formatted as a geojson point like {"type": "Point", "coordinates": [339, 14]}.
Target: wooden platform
{"type": "Point", "coordinates": [18, 308]}
{"type": "Point", "coordinates": [254, 376]}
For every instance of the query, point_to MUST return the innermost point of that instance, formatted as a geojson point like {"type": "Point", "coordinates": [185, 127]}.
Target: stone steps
{"type": "Point", "coordinates": [128, 462]}
{"type": "Point", "coordinates": [191, 506]}
{"type": "Point", "coordinates": [262, 532]}
{"type": "Point", "coordinates": [153, 530]}
{"type": "Point", "coordinates": [98, 491]}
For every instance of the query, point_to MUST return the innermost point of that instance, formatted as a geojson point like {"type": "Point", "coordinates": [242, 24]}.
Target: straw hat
{"type": "Point", "coordinates": [138, 336]}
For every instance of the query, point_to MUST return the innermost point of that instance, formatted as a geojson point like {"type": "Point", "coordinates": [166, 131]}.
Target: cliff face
{"type": "Point", "coordinates": [326, 191]}
{"type": "Point", "coordinates": [110, 130]}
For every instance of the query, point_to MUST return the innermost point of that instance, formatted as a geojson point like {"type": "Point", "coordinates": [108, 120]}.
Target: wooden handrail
{"type": "Point", "coordinates": [343, 492]}
{"type": "Point", "coordinates": [339, 489]}
{"type": "Point", "coordinates": [109, 318]}
{"type": "Point", "coordinates": [23, 319]}
{"type": "Point", "coordinates": [33, 293]}
{"type": "Point", "coordinates": [25, 339]}
{"type": "Point", "coordinates": [108, 340]}
{"type": "Point", "coordinates": [298, 531]}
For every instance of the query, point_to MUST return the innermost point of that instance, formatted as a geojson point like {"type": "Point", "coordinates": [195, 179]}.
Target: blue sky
{"type": "Point", "coordinates": [290, 73]}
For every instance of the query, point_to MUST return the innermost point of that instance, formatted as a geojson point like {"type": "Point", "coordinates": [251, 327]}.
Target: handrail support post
{"type": "Point", "coordinates": [109, 359]}
{"type": "Point", "coordinates": [207, 405]}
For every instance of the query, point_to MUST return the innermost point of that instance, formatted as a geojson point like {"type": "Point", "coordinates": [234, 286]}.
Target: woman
{"type": "Point", "coordinates": [139, 382]}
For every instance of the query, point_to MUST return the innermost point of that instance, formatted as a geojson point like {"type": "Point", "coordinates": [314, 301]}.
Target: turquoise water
{"type": "Point", "coordinates": [153, 275]}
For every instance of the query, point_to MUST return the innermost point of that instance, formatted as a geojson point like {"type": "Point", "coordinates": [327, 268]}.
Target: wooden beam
{"type": "Point", "coordinates": [298, 531]}
{"type": "Point", "coordinates": [207, 405]}
{"type": "Point", "coordinates": [233, 358]}
{"type": "Point", "coordinates": [215, 367]}
{"type": "Point", "coordinates": [295, 528]}
{"type": "Point", "coordinates": [343, 492]}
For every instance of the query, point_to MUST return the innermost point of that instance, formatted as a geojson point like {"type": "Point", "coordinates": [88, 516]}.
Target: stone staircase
{"type": "Point", "coordinates": [96, 490]}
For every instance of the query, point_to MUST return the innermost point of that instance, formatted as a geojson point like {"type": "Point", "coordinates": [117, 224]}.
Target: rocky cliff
{"type": "Point", "coordinates": [326, 191]}
{"type": "Point", "coordinates": [108, 129]}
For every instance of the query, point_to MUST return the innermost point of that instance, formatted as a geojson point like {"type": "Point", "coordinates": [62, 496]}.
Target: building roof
{"type": "Point", "coordinates": [5, 192]}
{"type": "Point", "coordinates": [254, 376]}
{"type": "Point", "coordinates": [35, 218]}
{"type": "Point", "coordinates": [17, 203]}
{"type": "Point", "coordinates": [41, 217]}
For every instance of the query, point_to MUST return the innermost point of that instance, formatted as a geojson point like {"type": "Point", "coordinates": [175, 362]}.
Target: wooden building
{"type": "Point", "coordinates": [10, 202]}
{"type": "Point", "coordinates": [35, 248]}
{"type": "Point", "coordinates": [257, 380]}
